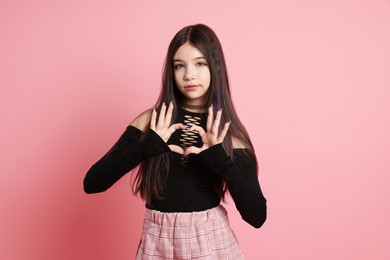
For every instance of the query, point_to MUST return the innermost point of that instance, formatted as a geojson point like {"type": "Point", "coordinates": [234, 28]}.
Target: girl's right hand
{"type": "Point", "coordinates": [163, 127]}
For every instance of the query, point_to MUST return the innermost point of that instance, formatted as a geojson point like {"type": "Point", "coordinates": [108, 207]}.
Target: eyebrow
{"type": "Point", "coordinates": [197, 58]}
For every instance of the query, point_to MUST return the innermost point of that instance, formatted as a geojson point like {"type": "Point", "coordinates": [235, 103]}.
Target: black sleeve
{"type": "Point", "coordinates": [242, 182]}
{"type": "Point", "coordinates": [127, 153]}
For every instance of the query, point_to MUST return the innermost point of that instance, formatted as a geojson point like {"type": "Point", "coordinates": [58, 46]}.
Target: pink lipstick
{"type": "Point", "coordinates": [190, 87]}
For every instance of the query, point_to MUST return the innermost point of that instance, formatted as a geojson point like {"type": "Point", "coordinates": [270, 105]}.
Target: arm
{"type": "Point", "coordinates": [132, 148]}
{"type": "Point", "coordinates": [240, 175]}
{"type": "Point", "coordinates": [127, 153]}
{"type": "Point", "coordinates": [241, 179]}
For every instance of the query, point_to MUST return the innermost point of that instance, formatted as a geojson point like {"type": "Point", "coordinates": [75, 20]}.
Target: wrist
{"type": "Point", "coordinates": [154, 145]}
{"type": "Point", "coordinates": [215, 155]}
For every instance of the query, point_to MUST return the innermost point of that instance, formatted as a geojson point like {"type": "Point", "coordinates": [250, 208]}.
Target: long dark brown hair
{"type": "Point", "coordinates": [152, 173]}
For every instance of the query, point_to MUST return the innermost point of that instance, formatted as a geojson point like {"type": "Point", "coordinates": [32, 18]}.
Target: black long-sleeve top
{"type": "Point", "coordinates": [189, 185]}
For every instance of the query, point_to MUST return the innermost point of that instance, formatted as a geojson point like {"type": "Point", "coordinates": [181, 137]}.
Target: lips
{"type": "Point", "coordinates": [191, 87]}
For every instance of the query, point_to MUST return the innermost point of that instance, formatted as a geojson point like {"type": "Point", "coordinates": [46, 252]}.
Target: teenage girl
{"type": "Point", "coordinates": [191, 149]}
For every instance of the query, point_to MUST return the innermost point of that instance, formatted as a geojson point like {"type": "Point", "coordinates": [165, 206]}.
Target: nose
{"type": "Point", "coordinates": [189, 73]}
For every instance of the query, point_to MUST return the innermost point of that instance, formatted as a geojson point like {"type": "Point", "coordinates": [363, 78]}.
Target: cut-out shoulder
{"type": "Point", "coordinates": [238, 143]}
{"type": "Point", "coordinates": [142, 121]}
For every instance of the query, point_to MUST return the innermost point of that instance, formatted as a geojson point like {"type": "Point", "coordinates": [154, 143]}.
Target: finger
{"type": "Point", "coordinates": [175, 127]}
{"type": "Point", "coordinates": [223, 132]}
{"type": "Point", "coordinates": [169, 115]}
{"type": "Point", "coordinates": [176, 149]}
{"type": "Point", "coordinates": [210, 118]}
{"type": "Point", "coordinates": [216, 123]}
{"type": "Point", "coordinates": [161, 117]}
{"type": "Point", "coordinates": [153, 120]}
{"type": "Point", "coordinates": [198, 129]}
{"type": "Point", "coordinates": [193, 149]}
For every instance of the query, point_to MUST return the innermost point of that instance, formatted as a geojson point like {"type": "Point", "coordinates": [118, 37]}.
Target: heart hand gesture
{"type": "Point", "coordinates": [211, 136]}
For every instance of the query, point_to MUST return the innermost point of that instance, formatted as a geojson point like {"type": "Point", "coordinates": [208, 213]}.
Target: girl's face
{"type": "Point", "coordinates": [192, 74]}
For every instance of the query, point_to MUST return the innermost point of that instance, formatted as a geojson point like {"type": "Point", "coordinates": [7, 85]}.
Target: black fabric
{"type": "Point", "coordinates": [190, 180]}
{"type": "Point", "coordinates": [126, 154]}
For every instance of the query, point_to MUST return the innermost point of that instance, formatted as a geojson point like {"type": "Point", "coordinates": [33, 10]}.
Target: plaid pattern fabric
{"type": "Point", "coordinates": [204, 235]}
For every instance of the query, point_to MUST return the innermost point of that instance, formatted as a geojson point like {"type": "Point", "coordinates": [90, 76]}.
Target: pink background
{"type": "Point", "coordinates": [310, 80]}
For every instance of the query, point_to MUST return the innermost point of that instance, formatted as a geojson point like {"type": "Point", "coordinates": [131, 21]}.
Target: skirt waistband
{"type": "Point", "coordinates": [185, 219]}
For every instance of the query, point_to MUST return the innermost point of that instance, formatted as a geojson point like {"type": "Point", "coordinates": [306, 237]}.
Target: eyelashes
{"type": "Point", "coordinates": [201, 64]}
{"type": "Point", "coordinates": [180, 66]}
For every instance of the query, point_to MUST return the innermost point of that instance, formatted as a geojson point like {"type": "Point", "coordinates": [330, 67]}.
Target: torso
{"type": "Point", "coordinates": [190, 182]}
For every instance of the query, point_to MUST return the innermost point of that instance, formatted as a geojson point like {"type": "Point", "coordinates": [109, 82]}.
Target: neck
{"type": "Point", "coordinates": [194, 107]}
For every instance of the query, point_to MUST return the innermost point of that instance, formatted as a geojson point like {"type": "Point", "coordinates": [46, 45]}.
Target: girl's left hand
{"type": "Point", "coordinates": [211, 136]}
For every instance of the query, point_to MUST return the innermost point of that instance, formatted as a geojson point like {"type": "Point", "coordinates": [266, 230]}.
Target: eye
{"type": "Point", "coordinates": [201, 64]}
{"type": "Point", "coordinates": [178, 66]}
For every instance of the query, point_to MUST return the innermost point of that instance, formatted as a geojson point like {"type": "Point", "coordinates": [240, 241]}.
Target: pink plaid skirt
{"type": "Point", "coordinates": [202, 235]}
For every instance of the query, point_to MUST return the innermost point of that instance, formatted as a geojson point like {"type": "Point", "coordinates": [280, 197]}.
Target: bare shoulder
{"type": "Point", "coordinates": [238, 143]}
{"type": "Point", "coordinates": [141, 122]}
